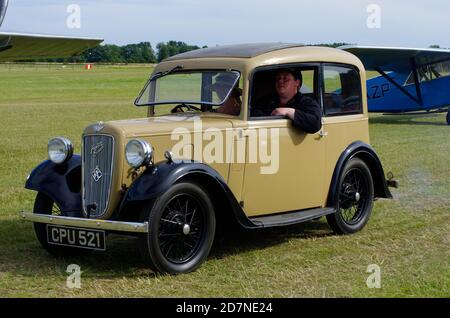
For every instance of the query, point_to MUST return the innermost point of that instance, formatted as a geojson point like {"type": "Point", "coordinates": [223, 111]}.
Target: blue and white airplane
{"type": "Point", "coordinates": [412, 81]}
{"type": "Point", "coordinates": [22, 46]}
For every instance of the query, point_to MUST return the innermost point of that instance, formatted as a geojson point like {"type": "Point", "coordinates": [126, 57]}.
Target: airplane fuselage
{"type": "Point", "coordinates": [384, 96]}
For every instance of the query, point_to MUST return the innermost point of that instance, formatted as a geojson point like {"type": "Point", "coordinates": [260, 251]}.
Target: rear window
{"type": "Point", "coordinates": [342, 90]}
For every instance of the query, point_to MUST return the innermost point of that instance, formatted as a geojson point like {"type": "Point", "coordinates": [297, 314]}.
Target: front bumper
{"type": "Point", "coordinates": [117, 226]}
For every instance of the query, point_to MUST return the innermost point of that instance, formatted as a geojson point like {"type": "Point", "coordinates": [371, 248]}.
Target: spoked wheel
{"type": "Point", "coordinates": [182, 226]}
{"type": "Point", "coordinates": [355, 200]}
{"type": "Point", "coordinates": [45, 205]}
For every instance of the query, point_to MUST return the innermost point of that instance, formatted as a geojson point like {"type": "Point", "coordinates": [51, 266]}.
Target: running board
{"type": "Point", "coordinates": [291, 217]}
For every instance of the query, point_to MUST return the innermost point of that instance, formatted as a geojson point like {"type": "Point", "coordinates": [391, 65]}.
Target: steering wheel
{"type": "Point", "coordinates": [181, 108]}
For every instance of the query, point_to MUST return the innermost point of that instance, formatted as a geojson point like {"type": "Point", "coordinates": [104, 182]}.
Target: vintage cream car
{"type": "Point", "coordinates": [176, 176]}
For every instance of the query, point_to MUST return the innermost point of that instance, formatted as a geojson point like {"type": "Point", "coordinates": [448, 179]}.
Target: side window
{"type": "Point", "coordinates": [308, 82]}
{"type": "Point", "coordinates": [263, 90]}
{"type": "Point", "coordinates": [430, 72]}
{"type": "Point", "coordinates": [342, 90]}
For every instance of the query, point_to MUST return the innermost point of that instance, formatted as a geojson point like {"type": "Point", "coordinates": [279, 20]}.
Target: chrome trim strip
{"type": "Point", "coordinates": [86, 223]}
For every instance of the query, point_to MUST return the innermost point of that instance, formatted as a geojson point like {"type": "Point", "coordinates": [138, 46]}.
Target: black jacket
{"type": "Point", "coordinates": [308, 115]}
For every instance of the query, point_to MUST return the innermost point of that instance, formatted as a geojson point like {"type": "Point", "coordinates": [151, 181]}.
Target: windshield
{"type": "Point", "coordinates": [189, 87]}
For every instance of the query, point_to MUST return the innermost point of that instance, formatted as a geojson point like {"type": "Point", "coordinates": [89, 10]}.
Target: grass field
{"type": "Point", "coordinates": [407, 237]}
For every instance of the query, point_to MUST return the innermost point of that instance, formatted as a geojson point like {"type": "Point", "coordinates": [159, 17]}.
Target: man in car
{"type": "Point", "coordinates": [304, 111]}
{"type": "Point", "coordinates": [231, 106]}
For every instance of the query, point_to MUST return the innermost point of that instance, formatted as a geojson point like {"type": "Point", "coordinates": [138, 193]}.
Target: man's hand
{"type": "Point", "coordinates": [282, 111]}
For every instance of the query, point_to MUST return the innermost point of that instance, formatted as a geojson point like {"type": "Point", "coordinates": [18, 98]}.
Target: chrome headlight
{"type": "Point", "coordinates": [138, 152]}
{"type": "Point", "coordinates": [60, 150]}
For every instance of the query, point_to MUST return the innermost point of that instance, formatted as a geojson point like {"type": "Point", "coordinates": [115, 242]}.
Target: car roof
{"type": "Point", "coordinates": [248, 50]}
{"type": "Point", "coordinates": [247, 57]}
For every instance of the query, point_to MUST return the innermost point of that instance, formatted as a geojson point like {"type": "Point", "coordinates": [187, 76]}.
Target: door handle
{"type": "Point", "coordinates": [323, 133]}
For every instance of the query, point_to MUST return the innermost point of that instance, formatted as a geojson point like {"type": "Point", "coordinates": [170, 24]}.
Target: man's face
{"type": "Point", "coordinates": [286, 85]}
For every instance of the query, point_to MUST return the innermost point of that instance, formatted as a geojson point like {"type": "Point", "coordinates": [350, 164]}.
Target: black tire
{"type": "Point", "coordinates": [355, 198]}
{"type": "Point", "coordinates": [448, 117]}
{"type": "Point", "coordinates": [45, 205]}
{"type": "Point", "coordinates": [182, 226]}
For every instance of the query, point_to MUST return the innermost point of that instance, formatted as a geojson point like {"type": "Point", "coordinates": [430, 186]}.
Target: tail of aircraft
{"type": "Point", "coordinates": [3, 7]}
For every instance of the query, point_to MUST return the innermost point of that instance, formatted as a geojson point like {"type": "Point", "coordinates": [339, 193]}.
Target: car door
{"type": "Point", "coordinates": [344, 119]}
{"type": "Point", "coordinates": [284, 165]}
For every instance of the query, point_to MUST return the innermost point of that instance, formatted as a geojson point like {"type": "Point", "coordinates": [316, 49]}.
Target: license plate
{"type": "Point", "coordinates": [76, 237]}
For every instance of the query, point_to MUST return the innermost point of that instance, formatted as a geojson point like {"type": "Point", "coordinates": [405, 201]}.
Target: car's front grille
{"type": "Point", "coordinates": [98, 154]}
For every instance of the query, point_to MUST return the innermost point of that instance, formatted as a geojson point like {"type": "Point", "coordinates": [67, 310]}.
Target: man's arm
{"type": "Point", "coordinates": [308, 115]}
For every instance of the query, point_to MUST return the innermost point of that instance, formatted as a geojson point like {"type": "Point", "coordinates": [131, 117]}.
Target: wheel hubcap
{"type": "Point", "coordinates": [186, 229]}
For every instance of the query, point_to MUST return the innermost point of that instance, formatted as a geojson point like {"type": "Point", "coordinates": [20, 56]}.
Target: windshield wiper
{"type": "Point", "coordinates": [161, 74]}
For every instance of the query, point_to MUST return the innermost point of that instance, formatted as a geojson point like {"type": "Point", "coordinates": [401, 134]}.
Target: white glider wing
{"type": "Point", "coordinates": [20, 46]}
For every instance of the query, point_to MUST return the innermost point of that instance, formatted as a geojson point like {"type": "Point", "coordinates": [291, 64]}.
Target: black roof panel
{"type": "Point", "coordinates": [236, 50]}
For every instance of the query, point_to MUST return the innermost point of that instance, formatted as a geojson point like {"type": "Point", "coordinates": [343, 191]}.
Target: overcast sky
{"type": "Point", "coordinates": [411, 23]}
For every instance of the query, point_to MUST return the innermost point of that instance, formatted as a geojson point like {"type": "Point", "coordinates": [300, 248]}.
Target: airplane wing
{"type": "Point", "coordinates": [396, 59]}
{"type": "Point", "coordinates": [20, 46]}
{"type": "Point", "coordinates": [402, 67]}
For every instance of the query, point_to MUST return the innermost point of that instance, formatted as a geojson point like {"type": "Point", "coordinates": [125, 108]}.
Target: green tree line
{"type": "Point", "coordinates": [131, 53]}
{"type": "Point", "coordinates": [143, 52]}
{"type": "Point", "coordinates": [138, 53]}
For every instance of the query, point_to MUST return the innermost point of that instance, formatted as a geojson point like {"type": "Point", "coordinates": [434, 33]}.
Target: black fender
{"type": "Point", "coordinates": [367, 154]}
{"type": "Point", "coordinates": [60, 182]}
{"type": "Point", "coordinates": [158, 178]}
